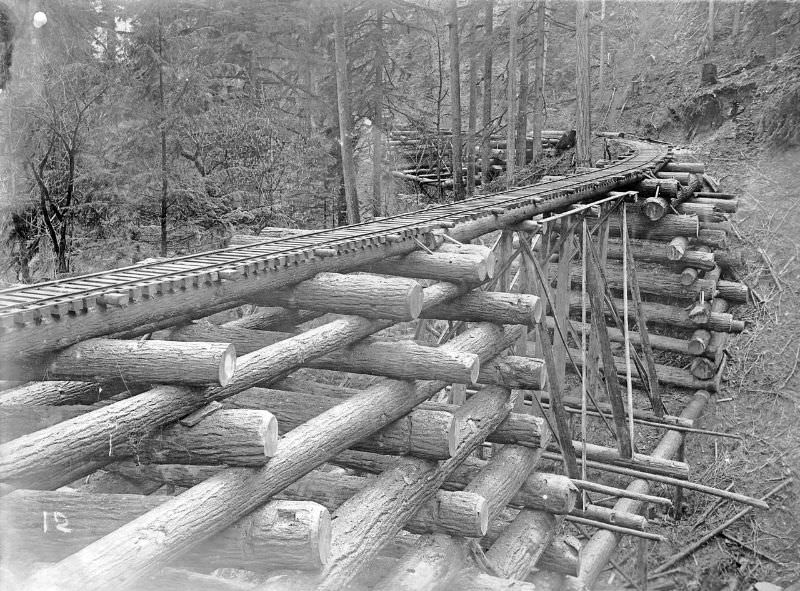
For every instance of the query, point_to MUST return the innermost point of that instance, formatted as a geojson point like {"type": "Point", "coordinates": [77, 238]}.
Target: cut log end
{"type": "Point", "coordinates": [415, 301]}
{"type": "Point", "coordinates": [321, 533]}
{"type": "Point", "coordinates": [269, 432]}
{"type": "Point", "coordinates": [475, 370]}
{"type": "Point", "coordinates": [227, 366]}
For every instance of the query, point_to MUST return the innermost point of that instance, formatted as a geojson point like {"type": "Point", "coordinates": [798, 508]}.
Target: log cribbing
{"type": "Point", "coordinates": [490, 306]}
{"type": "Point", "coordinates": [705, 367]}
{"type": "Point", "coordinates": [123, 556]}
{"type": "Point", "coordinates": [246, 340]}
{"type": "Point", "coordinates": [371, 296]}
{"type": "Point", "coordinates": [600, 547]}
{"type": "Point", "coordinates": [695, 167]}
{"type": "Point", "coordinates": [136, 361]}
{"type": "Point", "coordinates": [49, 526]}
{"type": "Point", "coordinates": [425, 432]}
{"type": "Point", "coordinates": [370, 519]}
{"type": "Point", "coordinates": [472, 266]}
{"type": "Point", "coordinates": [38, 459]}
{"type": "Point", "coordinates": [677, 249]}
{"type": "Point", "coordinates": [52, 393]}
{"type": "Point", "coordinates": [658, 313]}
{"type": "Point", "coordinates": [650, 251]}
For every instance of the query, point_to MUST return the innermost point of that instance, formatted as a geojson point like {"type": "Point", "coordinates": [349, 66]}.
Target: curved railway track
{"type": "Point", "coordinates": [37, 319]}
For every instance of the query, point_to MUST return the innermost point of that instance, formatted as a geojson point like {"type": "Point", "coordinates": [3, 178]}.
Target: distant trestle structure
{"type": "Point", "coordinates": [144, 446]}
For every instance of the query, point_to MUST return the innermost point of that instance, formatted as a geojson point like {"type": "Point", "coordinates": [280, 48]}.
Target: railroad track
{"type": "Point", "coordinates": [40, 318]}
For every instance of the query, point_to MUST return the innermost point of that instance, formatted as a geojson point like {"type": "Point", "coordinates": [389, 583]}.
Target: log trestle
{"type": "Point", "coordinates": [470, 363]}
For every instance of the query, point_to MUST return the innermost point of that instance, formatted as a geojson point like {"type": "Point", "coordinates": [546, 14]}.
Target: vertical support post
{"type": "Point", "coordinates": [561, 302]}
{"type": "Point", "coordinates": [641, 563]}
{"type": "Point", "coordinates": [612, 382]}
{"type": "Point", "coordinates": [677, 499]}
{"type": "Point", "coordinates": [641, 320]}
{"type": "Point", "coordinates": [504, 250]}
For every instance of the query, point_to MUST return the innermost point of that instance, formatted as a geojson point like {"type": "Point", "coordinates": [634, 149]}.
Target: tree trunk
{"type": "Point", "coordinates": [455, 102]}
{"type": "Point", "coordinates": [583, 155]}
{"type": "Point", "coordinates": [379, 206]}
{"type": "Point", "coordinates": [511, 89]}
{"type": "Point", "coordinates": [538, 81]}
{"type": "Point", "coordinates": [163, 134]}
{"type": "Point", "coordinates": [345, 118]}
{"type": "Point", "coordinates": [522, 107]}
{"type": "Point", "coordinates": [472, 115]}
{"type": "Point", "coordinates": [602, 77]}
{"type": "Point", "coordinates": [486, 118]}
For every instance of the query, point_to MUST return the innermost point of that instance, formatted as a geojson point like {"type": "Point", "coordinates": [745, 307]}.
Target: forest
{"type": "Point", "coordinates": [146, 128]}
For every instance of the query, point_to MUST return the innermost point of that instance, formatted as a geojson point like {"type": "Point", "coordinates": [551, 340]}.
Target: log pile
{"type": "Point", "coordinates": [152, 463]}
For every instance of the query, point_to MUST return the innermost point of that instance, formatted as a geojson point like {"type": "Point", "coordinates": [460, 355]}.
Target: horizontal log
{"type": "Point", "coordinates": [682, 177]}
{"type": "Point", "coordinates": [655, 208]}
{"type": "Point", "coordinates": [150, 361]}
{"type": "Point", "coordinates": [704, 212]}
{"type": "Point", "coordinates": [643, 462]}
{"type": "Point", "coordinates": [733, 291]}
{"type": "Point", "coordinates": [715, 195]}
{"type": "Point", "coordinates": [666, 187]}
{"type": "Point", "coordinates": [442, 265]}
{"type": "Point", "coordinates": [490, 306]}
{"type": "Point", "coordinates": [660, 342]}
{"type": "Point", "coordinates": [245, 340]}
{"type": "Point", "coordinates": [658, 313]}
{"type": "Point", "coordinates": [695, 167]}
{"type": "Point", "coordinates": [423, 433]}
{"type": "Point", "coordinates": [664, 284]}
{"type": "Point", "coordinates": [274, 318]}
{"type": "Point", "coordinates": [650, 251]}
{"type": "Point", "coordinates": [667, 374]}
{"type": "Point", "coordinates": [665, 229]}
{"type": "Point", "coordinates": [518, 548]}
{"type": "Point", "coordinates": [514, 371]}
{"type": "Point", "coordinates": [216, 503]}
{"type": "Point", "coordinates": [52, 393]}
{"type": "Point", "coordinates": [49, 526]}
{"type": "Point", "coordinates": [730, 259]}
{"type": "Point", "coordinates": [371, 296]}
{"type": "Point", "coordinates": [711, 237]}
{"type": "Point", "coordinates": [542, 491]}
{"type": "Point", "coordinates": [677, 248]}
{"type": "Point", "coordinates": [699, 342]}
{"type": "Point", "coordinates": [234, 437]}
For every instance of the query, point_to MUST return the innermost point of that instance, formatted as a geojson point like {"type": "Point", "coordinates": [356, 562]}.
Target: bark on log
{"type": "Point", "coordinates": [471, 266]}
{"type": "Point", "coordinates": [733, 291]}
{"type": "Point", "coordinates": [51, 393]}
{"type": "Point", "coordinates": [123, 557]}
{"type": "Point", "coordinates": [369, 520]}
{"type": "Point", "coordinates": [136, 361]}
{"type": "Point", "coordinates": [553, 493]}
{"type": "Point", "coordinates": [654, 283]}
{"type": "Point", "coordinates": [715, 195]}
{"type": "Point", "coordinates": [49, 458]}
{"type": "Point", "coordinates": [272, 318]}
{"type": "Point", "coordinates": [667, 374]}
{"type": "Point", "coordinates": [246, 340]}
{"type": "Point", "coordinates": [666, 187]}
{"type": "Point", "coordinates": [705, 213]}
{"type": "Point", "coordinates": [639, 226]}
{"type": "Point", "coordinates": [370, 296]}
{"type": "Point", "coordinates": [682, 177]}
{"type": "Point", "coordinates": [236, 437]}
{"type": "Point", "coordinates": [514, 371]}
{"type": "Point", "coordinates": [426, 566]}
{"type": "Point", "coordinates": [655, 208]}
{"type": "Point", "coordinates": [695, 167]}
{"type": "Point", "coordinates": [730, 260]}
{"type": "Point", "coordinates": [616, 335]}
{"type": "Point", "coordinates": [518, 549]}
{"type": "Point", "coordinates": [688, 276]}
{"type": "Point", "coordinates": [672, 316]}
{"type": "Point", "coordinates": [425, 432]}
{"type": "Point", "coordinates": [642, 462]}
{"type": "Point", "coordinates": [49, 526]}
{"type": "Point", "coordinates": [490, 306]}
{"type": "Point", "coordinates": [717, 239]}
